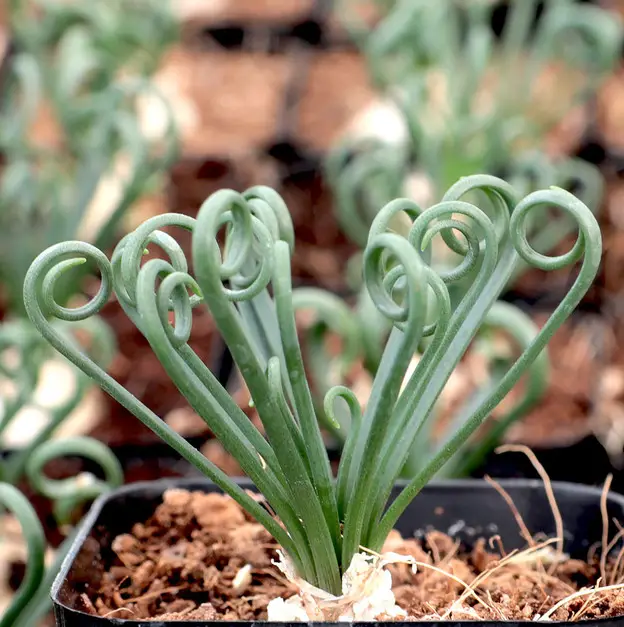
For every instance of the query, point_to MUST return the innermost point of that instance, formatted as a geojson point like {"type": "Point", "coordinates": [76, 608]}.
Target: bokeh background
{"type": "Point", "coordinates": [113, 111]}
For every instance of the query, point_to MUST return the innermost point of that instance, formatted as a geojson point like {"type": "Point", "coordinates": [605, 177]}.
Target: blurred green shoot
{"type": "Point", "coordinates": [32, 600]}
{"type": "Point", "coordinates": [472, 102]}
{"type": "Point", "coordinates": [22, 358]}
{"type": "Point", "coordinates": [81, 71]}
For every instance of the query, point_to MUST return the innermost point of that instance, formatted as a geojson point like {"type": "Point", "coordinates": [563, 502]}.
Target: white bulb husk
{"type": "Point", "coordinates": [366, 593]}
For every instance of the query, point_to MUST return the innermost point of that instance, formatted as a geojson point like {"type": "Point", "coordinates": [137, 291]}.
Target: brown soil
{"type": "Point", "coordinates": [610, 111]}
{"type": "Point", "coordinates": [336, 90]}
{"type": "Point", "coordinates": [183, 562]}
{"type": "Point", "coordinates": [201, 557]}
{"type": "Point", "coordinates": [564, 415]}
{"type": "Point", "coordinates": [227, 104]}
{"type": "Point", "coordinates": [321, 249]}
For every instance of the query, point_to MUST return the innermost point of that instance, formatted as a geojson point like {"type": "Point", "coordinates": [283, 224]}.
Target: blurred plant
{"type": "Point", "coordinates": [471, 102]}
{"type": "Point", "coordinates": [241, 245]}
{"type": "Point", "coordinates": [32, 600]}
{"type": "Point", "coordinates": [80, 72]}
{"type": "Point", "coordinates": [364, 177]}
{"type": "Point", "coordinates": [123, 35]}
{"type": "Point", "coordinates": [22, 357]}
{"type": "Point", "coordinates": [474, 103]}
{"type": "Point", "coordinates": [85, 67]}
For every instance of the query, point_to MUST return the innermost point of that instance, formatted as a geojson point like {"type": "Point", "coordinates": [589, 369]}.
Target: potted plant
{"type": "Point", "coordinates": [322, 524]}
{"type": "Point", "coordinates": [77, 151]}
{"type": "Point", "coordinates": [32, 600]}
{"type": "Point", "coordinates": [468, 101]}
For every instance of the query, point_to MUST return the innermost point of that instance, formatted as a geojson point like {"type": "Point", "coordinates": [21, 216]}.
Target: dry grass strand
{"type": "Point", "coordinates": [524, 530]}
{"type": "Point", "coordinates": [605, 528]}
{"type": "Point", "coordinates": [576, 595]}
{"type": "Point", "coordinates": [550, 494]}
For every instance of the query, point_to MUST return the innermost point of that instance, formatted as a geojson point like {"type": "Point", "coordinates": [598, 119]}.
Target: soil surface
{"type": "Point", "coordinates": [227, 104]}
{"type": "Point", "coordinates": [200, 557]}
{"type": "Point", "coordinates": [337, 89]}
{"type": "Point", "coordinates": [564, 415]}
{"type": "Point", "coordinates": [321, 249]}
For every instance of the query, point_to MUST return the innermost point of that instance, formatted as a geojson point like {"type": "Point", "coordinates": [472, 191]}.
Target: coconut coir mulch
{"type": "Point", "coordinates": [200, 557]}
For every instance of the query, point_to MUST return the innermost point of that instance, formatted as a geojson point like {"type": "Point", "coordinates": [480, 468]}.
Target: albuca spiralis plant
{"type": "Point", "coordinates": [471, 101]}
{"type": "Point", "coordinates": [22, 354]}
{"type": "Point", "coordinates": [32, 600]}
{"type": "Point", "coordinates": [241, 248]}
{"type": "Point", "coordinates": [76, 155]}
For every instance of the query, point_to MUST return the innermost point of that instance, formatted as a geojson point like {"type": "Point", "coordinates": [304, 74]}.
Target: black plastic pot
{"type": "Point", "coordinates": [470, 508]}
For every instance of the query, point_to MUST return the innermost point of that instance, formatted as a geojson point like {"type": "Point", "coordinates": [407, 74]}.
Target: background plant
{"type": "Point", "coordinates": [23, 353]}
{"type": "Point", "coordinates": [83, 69]}
{"type": "Point", "coordinates": [322, 521]}
{"type": "Point", "coordinates": [22, 356]}
{"type": "Point", "coordinates": [472, 101]}
{"type": "Point", "coordinates": [32, 600]}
